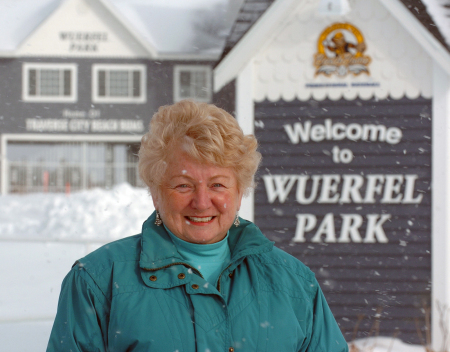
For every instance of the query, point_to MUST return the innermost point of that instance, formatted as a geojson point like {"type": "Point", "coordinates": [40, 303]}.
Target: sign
{"type": "Point", "coordinates": [83, 41]}
{"type": "Point", "coordinates": [340, 51]}
{"type": "Point", "coordinates": [82, 121]}
{"type": "Point", "coordinates": [345, 186]}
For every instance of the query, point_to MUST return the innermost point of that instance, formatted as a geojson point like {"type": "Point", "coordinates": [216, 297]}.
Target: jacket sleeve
{"type": "Point", "coordinates": [80, 323]}
{"type": "Point", "coordinates": [326, 335]}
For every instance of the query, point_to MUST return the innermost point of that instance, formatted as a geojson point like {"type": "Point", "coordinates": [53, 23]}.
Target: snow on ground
{"type": "Point", "coordinates": [97, 214]}
{"type": "Point", "coordinates": [41, 235]}
{"type": "Point", "coordinates": [383, 344]}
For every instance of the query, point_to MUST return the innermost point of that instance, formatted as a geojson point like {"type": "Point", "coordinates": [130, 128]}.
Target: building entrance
{"type": "Point", "coordinates": [69, 166]}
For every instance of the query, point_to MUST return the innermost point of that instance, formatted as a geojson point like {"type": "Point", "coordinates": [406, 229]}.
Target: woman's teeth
{"type": "Point", "coordinates": [204, 219]}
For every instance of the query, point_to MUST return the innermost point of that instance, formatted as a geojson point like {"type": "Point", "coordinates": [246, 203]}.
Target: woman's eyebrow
{"type": "Point", "coordinates": [191, 178]}
{"type": "Point", "coordinates": [219, 176]}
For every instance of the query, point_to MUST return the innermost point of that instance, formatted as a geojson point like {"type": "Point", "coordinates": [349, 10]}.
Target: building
{"type": "Point", "coordinates": [79, 87]}
{"type": "Point", "coordinates": [350, 103]}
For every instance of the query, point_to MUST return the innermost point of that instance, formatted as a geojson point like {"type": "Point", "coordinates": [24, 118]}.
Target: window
{"type": "Point", "coordinates": [192, 82]}
{"type": "Point", "coordinates": [49, 82]}
{"type": "Point", "coordinates": [118, 84]}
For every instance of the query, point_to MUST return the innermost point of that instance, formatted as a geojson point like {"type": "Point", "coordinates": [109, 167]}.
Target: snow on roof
{"type": "Point", "coordinates": [19, 18]}
{"type": "Point", "coordinates": [172, 26]}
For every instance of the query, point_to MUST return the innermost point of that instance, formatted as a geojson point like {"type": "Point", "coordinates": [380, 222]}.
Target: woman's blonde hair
{"type": "Point", "coordinates": [206, 133]}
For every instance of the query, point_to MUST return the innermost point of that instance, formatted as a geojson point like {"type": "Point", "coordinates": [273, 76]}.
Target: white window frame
{"type": "Point", "coordinates": [72, 98]}
{"type": "Point", "coordinates": [122, 67]}
{"type": "Point", "coordinates": [192, 68]}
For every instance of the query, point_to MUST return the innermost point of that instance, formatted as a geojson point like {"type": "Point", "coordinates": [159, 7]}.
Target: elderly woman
{"type": "Point", "coordinates": [198, 277]}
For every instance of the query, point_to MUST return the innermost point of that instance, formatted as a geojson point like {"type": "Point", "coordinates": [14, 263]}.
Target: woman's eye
{"type": "Point", "coordinates": [217, 185]}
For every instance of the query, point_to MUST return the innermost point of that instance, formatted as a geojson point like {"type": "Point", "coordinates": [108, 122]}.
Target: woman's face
{"type": "Point", "coordinates": [197, 202]}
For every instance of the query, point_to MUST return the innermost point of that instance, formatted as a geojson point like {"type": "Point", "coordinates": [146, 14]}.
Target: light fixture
{"type": "Point", "coordinates": [333, 7]}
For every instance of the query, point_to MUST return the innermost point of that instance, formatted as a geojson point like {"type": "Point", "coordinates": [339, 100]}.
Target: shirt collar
{"type": "Point", "coordinates": [158, 249]}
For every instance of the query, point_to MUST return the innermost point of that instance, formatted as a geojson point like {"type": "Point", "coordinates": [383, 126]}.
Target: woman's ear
{"type": "Point", "coordinates": [155, 198]}
{"type": "Point", "coordinates": [239, 200]}
{"type": "Point", "coordinates": [155, 203]}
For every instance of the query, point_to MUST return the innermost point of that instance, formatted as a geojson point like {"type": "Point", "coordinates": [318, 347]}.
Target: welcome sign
{"type": "Point", "coordinates": [365, 188]}
{"type": "Point", "coordinates": [345, 186]}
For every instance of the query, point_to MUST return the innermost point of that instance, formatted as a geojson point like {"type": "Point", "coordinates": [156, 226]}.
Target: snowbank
{"type": "Point", "coordinates": [41, 235]}
{"type": "Point", "coordinates": [97, 214]}
{"type": "Point", "coordinates": [383, 344]}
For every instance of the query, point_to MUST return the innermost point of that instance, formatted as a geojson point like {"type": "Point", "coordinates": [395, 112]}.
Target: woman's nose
{"type": "Point", "coordinates": [201, 199]}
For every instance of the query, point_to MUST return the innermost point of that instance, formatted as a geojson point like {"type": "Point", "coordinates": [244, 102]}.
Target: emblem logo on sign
{"type": "Point", "coordinates": [340, 51]}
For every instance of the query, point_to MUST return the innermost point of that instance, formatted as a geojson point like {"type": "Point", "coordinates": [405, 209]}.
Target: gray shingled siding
{"type": "Point", "coordinates": [14, 111]}
{"type": "Point", "coordinates": [250, 12]}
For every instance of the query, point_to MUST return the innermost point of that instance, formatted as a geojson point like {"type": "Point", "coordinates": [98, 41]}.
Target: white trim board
{"type": "Point", "coordinates": [30, 137]}
{"type": "Point", "coordinates": [440, 211]}
{"type": "Point", "coordinates": [244, 113]}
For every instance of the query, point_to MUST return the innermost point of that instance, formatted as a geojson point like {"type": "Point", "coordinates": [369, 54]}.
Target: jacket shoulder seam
{"type": "Point", "coordinates": [91, 268]}
{"type": "Point", "coordinates": [105, 298]}
{"type": "Point", "coordinates": [298, 270]}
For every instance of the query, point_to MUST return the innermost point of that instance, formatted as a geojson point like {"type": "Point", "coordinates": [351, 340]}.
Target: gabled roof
{"type": "Point", "coordinates": [18, 22]}
{"type": "Point", "coordinates": [148, 45]}
{"type": "Point", "coordinates": [174, 30]}
{"type": "Point", "coordinates": [250, 12]}
{"type": "Point", "coordinates": [257, 19]}
{"type": "Point", "coordinates": [166, 32]}
{"type": "Point", "coordinates": [40, 12]}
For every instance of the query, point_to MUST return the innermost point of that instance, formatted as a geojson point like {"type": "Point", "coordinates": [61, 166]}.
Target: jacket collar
{"type": "Point", "coordinates": [158, 250]}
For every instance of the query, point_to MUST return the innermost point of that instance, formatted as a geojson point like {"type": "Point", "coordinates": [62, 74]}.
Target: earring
{"type": "Point", "coordinates": [158, 221]}
{"type": "Point", "coordinates": [236, 221]}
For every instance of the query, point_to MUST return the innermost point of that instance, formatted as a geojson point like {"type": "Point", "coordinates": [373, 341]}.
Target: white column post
{"type": "Point", "coordinates": [3, 166]}
{"type": "Point", "coordinates": [440, 238]}
{"type": "Point", "coordinates": [245, 117]}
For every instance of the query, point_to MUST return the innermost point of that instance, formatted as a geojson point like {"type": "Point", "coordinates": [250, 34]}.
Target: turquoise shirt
{"type": "Point", "coordinates": [209, 259]}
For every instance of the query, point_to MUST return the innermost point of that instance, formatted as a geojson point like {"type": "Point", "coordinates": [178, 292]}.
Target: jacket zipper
{"type": "Point", "coordinates": [178, 263]}
{"type": "Point", "coordinates": [218, 281]}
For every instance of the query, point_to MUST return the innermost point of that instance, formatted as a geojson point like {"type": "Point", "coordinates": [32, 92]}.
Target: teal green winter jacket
{"type": "Point", "coordinates": [137, 294]}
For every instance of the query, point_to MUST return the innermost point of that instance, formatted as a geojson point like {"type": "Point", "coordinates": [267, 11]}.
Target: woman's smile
{"type": "Point", "coordinates": [200, 220]}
